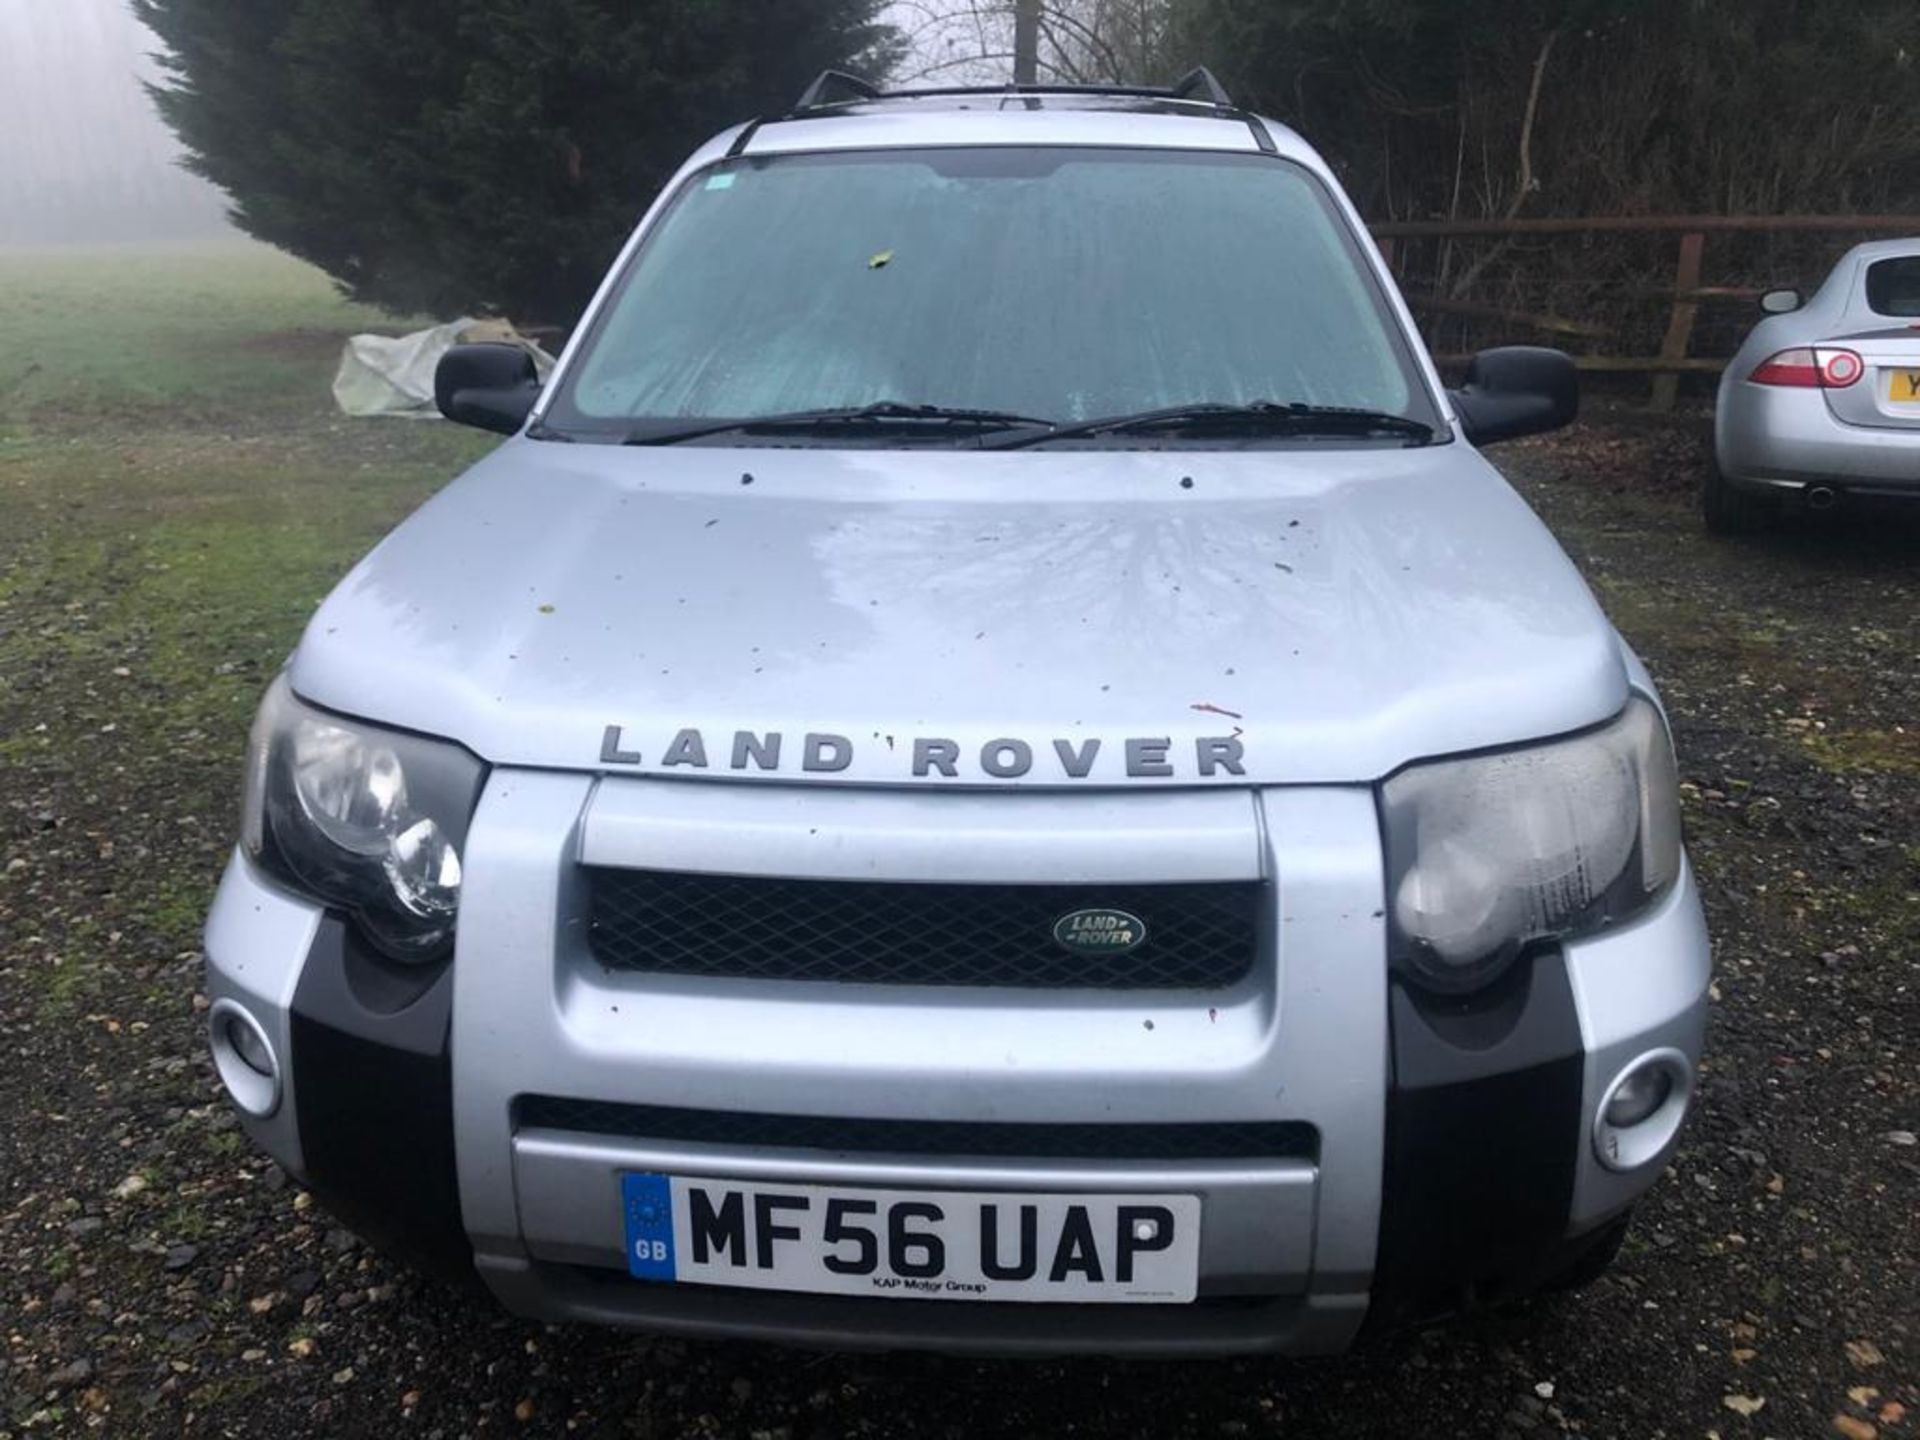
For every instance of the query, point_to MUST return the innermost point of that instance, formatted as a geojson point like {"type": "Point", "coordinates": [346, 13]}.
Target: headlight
{"type": "Point", "coordinates": [1490, 853]}
{"type": "Point", "coordinates": [366, 819]}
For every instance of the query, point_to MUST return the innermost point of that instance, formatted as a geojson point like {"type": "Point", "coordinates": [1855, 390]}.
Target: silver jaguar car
{"type": "Point", "coordinates": [1823, 399]}
{"type": "Point", "coordinates": [988, 767]}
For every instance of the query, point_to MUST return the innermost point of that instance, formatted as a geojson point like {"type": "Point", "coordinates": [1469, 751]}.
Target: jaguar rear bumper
{"type": "Point", "coordinates": [1776, 440]}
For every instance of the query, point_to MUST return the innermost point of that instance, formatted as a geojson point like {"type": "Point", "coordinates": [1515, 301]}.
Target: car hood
{"type": "Point", "coordinates": [1264, 616]}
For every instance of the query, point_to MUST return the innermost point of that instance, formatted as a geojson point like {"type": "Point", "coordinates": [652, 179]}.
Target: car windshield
{"type": "Point", "coordinates": [1063, 284]}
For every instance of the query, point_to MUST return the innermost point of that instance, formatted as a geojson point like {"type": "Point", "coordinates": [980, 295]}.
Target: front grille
{"type": "Point", "coordinates": [1198, 936]}
{"type": "Point", "coordinates": [1231, 1140]}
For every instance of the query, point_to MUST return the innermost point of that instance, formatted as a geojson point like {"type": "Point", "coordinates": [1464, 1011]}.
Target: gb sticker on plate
{"type": "Point", "coordinates": [648, 1200]}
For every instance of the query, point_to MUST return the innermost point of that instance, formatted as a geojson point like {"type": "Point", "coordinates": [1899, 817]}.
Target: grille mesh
{"type": "Point", "coordinates": [1231, 1140]}
{"type": "Point", "coordinates": [1198, 936]}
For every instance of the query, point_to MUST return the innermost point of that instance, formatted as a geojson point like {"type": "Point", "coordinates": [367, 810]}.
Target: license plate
{"type": "Point", "coordinates": [1903, 387]}
{"type": "Point", "coordinates": [913, 1244]}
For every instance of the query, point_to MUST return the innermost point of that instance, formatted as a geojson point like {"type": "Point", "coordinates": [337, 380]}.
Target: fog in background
{"type": "Point", "coordinates": [84, 158]}
{"type": "Point", "coordinates": [952, 42]}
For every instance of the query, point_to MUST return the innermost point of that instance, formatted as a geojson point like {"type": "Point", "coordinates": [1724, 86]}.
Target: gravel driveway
{"type": "Point", "coordinates": [157, 1277]}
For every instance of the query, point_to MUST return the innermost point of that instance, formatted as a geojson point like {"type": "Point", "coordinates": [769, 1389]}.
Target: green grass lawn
{"type": "Point", "coordinates": [101, 336]}
{"type": "Point", "coordinates": [177, 492]}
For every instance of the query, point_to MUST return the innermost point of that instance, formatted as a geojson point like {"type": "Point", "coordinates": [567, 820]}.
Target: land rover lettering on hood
{"type": "Point", "coordinates": [985, 766]}
{"type": "Point", "coordinates": [1004, 758]}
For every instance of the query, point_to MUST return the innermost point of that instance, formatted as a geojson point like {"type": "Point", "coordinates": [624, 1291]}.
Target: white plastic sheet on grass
{"type": "Point", "coordinates": [393, 375]}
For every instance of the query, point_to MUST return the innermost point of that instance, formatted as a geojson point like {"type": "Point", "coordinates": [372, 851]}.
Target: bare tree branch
{"type": "Point", "coordinates": [1083, 41]}
{"type": "Point", "coordinates": [1527, 182]}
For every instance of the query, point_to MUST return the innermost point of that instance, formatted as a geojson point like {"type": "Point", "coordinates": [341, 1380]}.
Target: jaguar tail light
{"type": "Point", "coordinates": [1810, 368]}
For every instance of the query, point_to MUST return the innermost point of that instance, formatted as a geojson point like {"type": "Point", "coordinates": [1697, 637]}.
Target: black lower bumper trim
{"type": "Point", "coordinates": [1483, 1130]}
{"type": "Point", "coordinates": [373, 1092]}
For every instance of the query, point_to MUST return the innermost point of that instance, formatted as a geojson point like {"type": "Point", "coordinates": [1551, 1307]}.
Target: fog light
{"type": "Point", "coordinates": [250, 1047]}
{"type": "Point", "coordinates": [1641, 1111]}
{"type": "Point", "coordinates": [1639, 1095]}
{"type": "Point", "coordinates": [244, 1056]}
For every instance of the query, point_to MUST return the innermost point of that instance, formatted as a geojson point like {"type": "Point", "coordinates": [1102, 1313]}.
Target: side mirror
{"type": "Point", "coordinates": [1781, 302]}
{"type": "Point", "coordinates": [1517, 390]}
{"type": "Point", "coordinates": [488, 386]}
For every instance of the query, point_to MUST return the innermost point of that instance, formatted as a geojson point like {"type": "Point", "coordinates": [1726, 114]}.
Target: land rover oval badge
{"type": "Point", "coordinates": [1099, 929]}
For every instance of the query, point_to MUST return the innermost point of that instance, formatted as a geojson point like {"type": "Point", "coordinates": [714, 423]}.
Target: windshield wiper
{"type": "Point", "coordinates": [1263, 416]}
{"type": "Point", "coordinates": [881, 413]}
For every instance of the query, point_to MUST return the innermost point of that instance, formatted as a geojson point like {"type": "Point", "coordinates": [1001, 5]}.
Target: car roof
{"type": "Point", "coordinates": [1027, 117]}
{"type": "Point", "coordinates": [1883, 250]}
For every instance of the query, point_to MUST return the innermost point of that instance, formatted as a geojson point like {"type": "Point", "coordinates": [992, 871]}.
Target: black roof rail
{"type": "Point", "coordinates": [1202, 81]}
{"type": "Point", "coordinates": [836, 87]}
{"type": "Point", "coordinates": [823, 90]}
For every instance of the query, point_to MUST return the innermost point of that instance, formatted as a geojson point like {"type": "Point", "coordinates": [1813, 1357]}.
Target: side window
{"type": "Point", "coordinates": [1893, 287]}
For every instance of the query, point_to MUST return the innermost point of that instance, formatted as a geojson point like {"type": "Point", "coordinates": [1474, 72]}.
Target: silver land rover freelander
{"type": "Point", "coordinates": [988, 768]}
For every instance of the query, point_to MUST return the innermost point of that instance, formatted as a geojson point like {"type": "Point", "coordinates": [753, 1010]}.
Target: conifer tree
{"type": "Point", "coordinates": [460, 156]}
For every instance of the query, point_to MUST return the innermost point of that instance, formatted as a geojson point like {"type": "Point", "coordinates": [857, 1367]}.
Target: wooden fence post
{"type": "Point", "coordinates": [1686, 306]}
{"type": "Point", "coordinates": [1685, 295]}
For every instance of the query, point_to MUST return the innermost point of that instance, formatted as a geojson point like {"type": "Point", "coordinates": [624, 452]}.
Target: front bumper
{"type": "Point", "coordinates": [1450, 1153]}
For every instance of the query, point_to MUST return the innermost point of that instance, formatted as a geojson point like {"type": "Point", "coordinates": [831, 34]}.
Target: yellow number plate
{"type": "Point", "coordinates": [1903, 386]}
